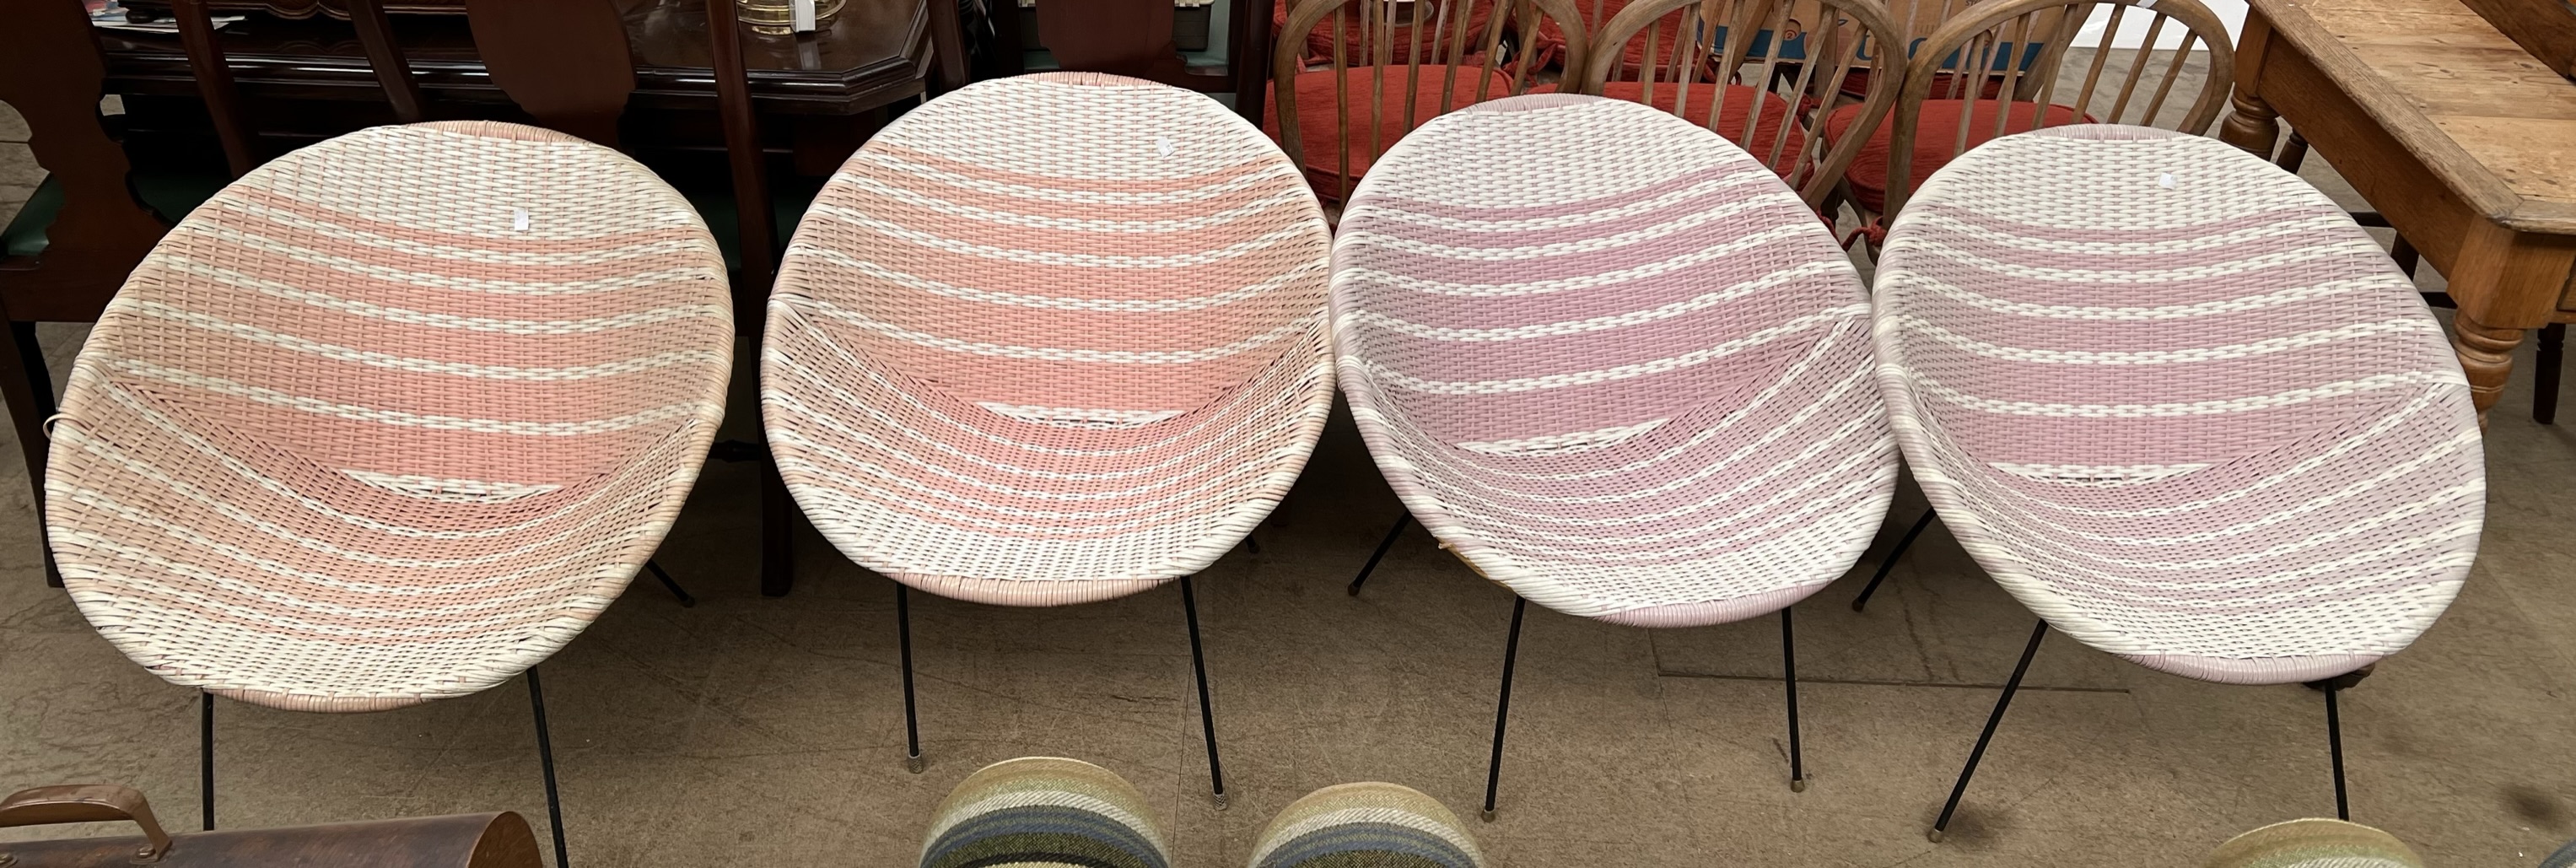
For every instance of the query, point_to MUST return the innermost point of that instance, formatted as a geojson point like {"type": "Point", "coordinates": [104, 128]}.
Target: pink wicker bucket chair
{"type": "Point", "coordinates": [390, 419]}
{"type": "Point", "coordinates": [1613, 363]}
{"type": "Point", "coordinates": [1050, 340]}
{"type": "Point", "coordinates": [2186, 411]}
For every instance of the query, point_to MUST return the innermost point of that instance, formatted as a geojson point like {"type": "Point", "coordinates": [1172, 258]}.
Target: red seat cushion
{"type": "Point", "coordinates": [1319, 119]}
{"type": "Point", "coordinates": [1549, 47]}
{"type": "Point", "coordinates": [1740, 100]}
{"type": "Point", "coordinates": [1319, 42]}
{"type": "Point", "coordinates": [1936, 132]}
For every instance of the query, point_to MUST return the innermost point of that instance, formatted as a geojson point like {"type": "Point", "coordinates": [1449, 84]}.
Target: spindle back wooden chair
{"type": "Point", "coordinates": [1752, 71]}
{"type": "Point", "coordinates": [1939, 117]}
{"type": "Point", "coordinates": [1394, 64]}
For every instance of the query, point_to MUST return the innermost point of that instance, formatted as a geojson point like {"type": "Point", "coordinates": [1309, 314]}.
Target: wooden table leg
{"type": "Point", "coordinates": [2486, 353]}
{"type": "Point", "coordinates": [2253, 126]}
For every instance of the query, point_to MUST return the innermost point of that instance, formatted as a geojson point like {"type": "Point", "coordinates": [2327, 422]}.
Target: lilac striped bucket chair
{"type": "Point", "coordinates": [1608, 359]}
{"type": "Point", "coordinates": [1050, 340]}
{"type": "Point", "coordinates": [390, 419]}
{"type": "Point", "coordinates": [2181, 407]}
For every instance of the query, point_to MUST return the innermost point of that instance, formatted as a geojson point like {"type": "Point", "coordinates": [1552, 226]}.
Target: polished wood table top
{"type": "Point", "coordinates": [2462, 140]}
{"type": "Point", "coordinates": [875, 53]}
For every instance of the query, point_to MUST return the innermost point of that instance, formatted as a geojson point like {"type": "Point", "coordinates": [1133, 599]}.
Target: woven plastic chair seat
{"type": "Point", "coordinates": [391, 418]}
{"type": "Point", "coordinates": [1740, 102]}
{"type": "Point", "coordinates": [2178, 404]}
{"type": "Point", "coordinates": [1611, 361]}
{"type": "Point", "coordinates": [1050, 339]}
{"type": "Point", "coordinates": [1939, 133]}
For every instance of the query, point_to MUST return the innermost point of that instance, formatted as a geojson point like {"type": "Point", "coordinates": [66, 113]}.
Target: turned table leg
{"type": "Point", "coordinates": [2252, 126]}
{"type": "Point", "coordinates": [2486, 354]}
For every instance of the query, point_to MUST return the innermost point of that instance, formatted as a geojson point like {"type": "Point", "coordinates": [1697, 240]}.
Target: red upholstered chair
{"type": "Point", "coordinates": [1386, 68]}
{"type": "Point", "coordinates": [1754, 71]}
{"type": "Point", "coordinates": [1316, 47]}
{"type": "Point", "coordinates": [1938, 118]}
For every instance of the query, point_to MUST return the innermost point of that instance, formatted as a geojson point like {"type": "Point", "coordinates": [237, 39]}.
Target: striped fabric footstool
{"type": "Point", "coordinates": [2315, 844]}
{"type": "Point", "coordinates": [1042, 811]}
{"type": "Point", "coordinates": [1366, 825]}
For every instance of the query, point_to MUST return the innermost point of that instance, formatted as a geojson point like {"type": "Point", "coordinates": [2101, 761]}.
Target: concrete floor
{"type": "Point", "coordinates": [761, 730]}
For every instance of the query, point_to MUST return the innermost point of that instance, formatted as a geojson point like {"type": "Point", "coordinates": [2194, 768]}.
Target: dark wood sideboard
{"type": "Point", "coordinates": [304, 76]}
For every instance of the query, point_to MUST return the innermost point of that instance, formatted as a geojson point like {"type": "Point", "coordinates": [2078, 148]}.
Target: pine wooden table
{"type": "Point", "coordinates": [2464, 141]}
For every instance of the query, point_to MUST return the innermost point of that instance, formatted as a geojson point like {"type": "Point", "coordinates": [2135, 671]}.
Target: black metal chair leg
{"type": "Point", "coordinates": [911, 716]}
{"type": "Point", "coordinates": [1789, 672]}
{"type": "Point", "coordinates": [1503, 706]}
{"type": "Point", "coordinates": [2544, 373]}
{"type": "Point", "coordinates": [2010, 687]}
{"type": "Point", "coordinates": [686, 601]}
{"type": "Point", "coordinates": [1250, 545]}
{"type": "Point", "coordinates": [546, 758]}
{"type": "Point", "coordinates": [206, 756]}
{"type": "Point", "coordinates": [777, 535]}
{"type": "Point", "coordinates": [2334, 748]}
{"type": "Point", "coordinates": [1890, 562]}
{"type": "Point", "coordinates": [1207, 712]}
{"type": "Point", "coordinates": [29, 391]}
{"type": "Point", "coordinates": [1392, 533]}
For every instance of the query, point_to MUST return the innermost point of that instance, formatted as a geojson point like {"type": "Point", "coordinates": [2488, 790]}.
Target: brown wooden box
{"type": "Point", "coordinates": [2546, 28]}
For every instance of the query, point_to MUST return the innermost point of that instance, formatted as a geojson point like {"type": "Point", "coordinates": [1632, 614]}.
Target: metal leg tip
{"type": "Point", "coordinates": [1220, 801]}
{"type": "Point", "coordinates": [1860, 605]}
{"type": "Point", "coordinates": [914, 764]}
{"type": "Point", "coordinates": [1797, 785]}
{"type": "Point", "coordinates": [1353, 590]}
{"type": "Point", "coordinates": [1935, 835]}
{"type": "Point", "coordinates": [1487, 814]}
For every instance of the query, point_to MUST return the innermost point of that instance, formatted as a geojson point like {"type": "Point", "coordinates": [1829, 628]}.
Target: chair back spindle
{"type": "Point", "coordinates": [1393, 64]}
{"type": "Point", "coordinates": [2003, 62]}
{"type": "Point", "coordinates": [1761, 73]}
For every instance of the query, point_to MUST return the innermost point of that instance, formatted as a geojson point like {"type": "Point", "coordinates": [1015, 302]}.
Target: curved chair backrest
{"type": "Point", "coordinates": [1050, 338]}
{"type": "Point", "coordinates": [1972, 59]}
{"type": "Point", "coordinates": [2186, 411]}
{"type": "Point", "coordinates": [1617, 367]}
{"type": "Point", "coordinates": [392, 417]}
{"type": "Point", "coordinates": [1686, 56]}
{"type": "Point", "coordinates": [1395, 64]}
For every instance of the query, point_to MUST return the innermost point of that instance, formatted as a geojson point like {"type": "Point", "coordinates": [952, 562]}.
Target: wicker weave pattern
{"type": "Point", "coordinates": [391, 418]}
{"type": "Point", "coordinates": [2178, 404]}
{"type": "Point", "coordinates": [1050, 339]}
{"type": "Point", "coordinates": [1043, 812]}
{"type": "Point", "coordinates": [1611, 361]}
{"type": "Point", "coordinates": [1366, 825]}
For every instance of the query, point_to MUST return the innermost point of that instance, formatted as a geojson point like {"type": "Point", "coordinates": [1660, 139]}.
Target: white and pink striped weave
{"type": "Point", "coordinates": [2178, 404]}
{"type": "Point", "coordinates": [1050, 339]}
{"type": "Point", "coordinates": [391, 418]}
{"type": "Point", "coordinates": [1611, 361]}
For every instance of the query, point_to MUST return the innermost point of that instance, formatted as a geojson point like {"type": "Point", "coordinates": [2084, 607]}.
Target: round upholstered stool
{"type": "Point", "coordinates": [2315, 844]}
{"type": "Point", "coordinates": [1366, 825]}
{"type": "Point", "coordinates": [1044, 811]}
